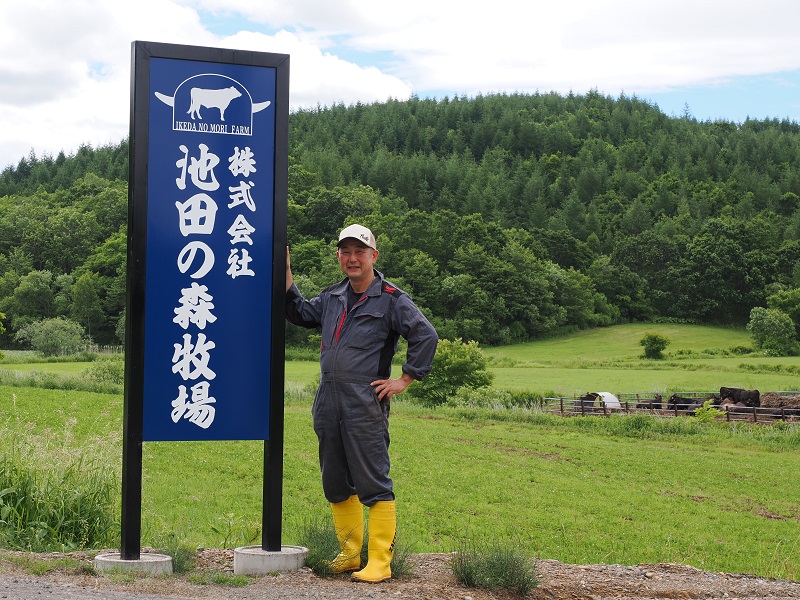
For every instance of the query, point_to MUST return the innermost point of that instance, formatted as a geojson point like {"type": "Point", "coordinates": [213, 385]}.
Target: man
{"type": "Point", "coordinates": [362, 318]}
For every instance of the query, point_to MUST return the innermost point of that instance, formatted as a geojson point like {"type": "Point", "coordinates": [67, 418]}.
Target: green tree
{"type": "Point", "coordinates": [623, 288]}
{"type": "Point", "coordinates": [654, 344]}
{"type": "Point", "coordinates": [53, 337]}
{"type": "Point", "coordinates": [456, 365]}
{"type": "Point", "coordinates": [62, 294]}
{"type": "Point", "coordinates": [32, 299]}
{"type": "Point", "coordinates": [773, 332]}
{"type": "Point", "coordinates": [787, 301]}
{"type": "Point", "coordinates": [71, 235]}
{"type": "Point", "coordinates": [87, 307]}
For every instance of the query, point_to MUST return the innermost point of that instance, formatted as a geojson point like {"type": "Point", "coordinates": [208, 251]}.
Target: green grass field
{"type": "Point", "coordinates": [623, 490]}
{"type": "Point", "coordinates": [608, 359]}
{"type": "Point", "coordinates": [622, 342]}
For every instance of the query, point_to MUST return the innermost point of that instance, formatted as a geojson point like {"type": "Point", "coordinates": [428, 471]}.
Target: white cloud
{"type": "Point", "coordinates": [468, 47]}
{"type": "Point", "coordinates": [318, 77]}
{"type": "Point", "coordinates": [64, 66]}
{"type": "Point", "coordinates": [65, 69]}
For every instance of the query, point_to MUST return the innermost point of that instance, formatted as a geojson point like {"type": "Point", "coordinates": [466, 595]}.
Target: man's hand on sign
{"type": "Point", "coordinates": [289, 278]}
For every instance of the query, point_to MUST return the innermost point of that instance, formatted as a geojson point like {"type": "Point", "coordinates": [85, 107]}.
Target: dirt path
{"type": "Point", "coordinates": [431, 579]}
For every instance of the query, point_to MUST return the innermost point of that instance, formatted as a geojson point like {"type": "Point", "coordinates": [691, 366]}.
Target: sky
{"type": "Point", "coordinates": [65, 64]}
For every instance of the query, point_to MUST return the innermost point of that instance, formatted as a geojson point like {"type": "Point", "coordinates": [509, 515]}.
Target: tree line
{"type": "Point", "coordinates": [507, 217]}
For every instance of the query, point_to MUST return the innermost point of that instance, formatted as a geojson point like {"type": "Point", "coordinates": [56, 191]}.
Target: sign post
{"type": "Point", "coordinates": [206, 261]}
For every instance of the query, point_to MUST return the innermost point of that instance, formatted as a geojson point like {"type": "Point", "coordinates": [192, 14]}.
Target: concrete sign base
{"type": "Point", "coordinates": [150, 563]}
{"type": "Point", "coordinates": [254, 560]}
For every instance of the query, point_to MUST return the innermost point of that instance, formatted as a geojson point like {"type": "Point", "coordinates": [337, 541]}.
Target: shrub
{"type": "Point", "coordinates": [773, 331]}
{"type": "Point", "coordinates": [708, 413]}
{"type": "Point", "coordinates": [481, 398]}
{"type": "Point", "coordinates": [108, 370]}
{"type": "Point", "coordinates": [184, 557]}
{"type": "Point", "coordinates": [494, 399]}
{"type": "Point", "coordinates": [319, 536]}
{"type": "Point", "coordinates": [53, 498]}
{"type": "Point", "coordinates": [654, 344]}
{"type": "Point", "coordinates": [54, 336]}
{"type": "Point", "coordinates": [456, 365]}
{"type": "Point", "coordinates": [740, 350]}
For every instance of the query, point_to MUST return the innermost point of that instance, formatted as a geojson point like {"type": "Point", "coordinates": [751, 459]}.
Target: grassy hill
{"type": "Point", "coordinates": [622, 342]}
{"type": "Point", "coordinates": [698, 358]}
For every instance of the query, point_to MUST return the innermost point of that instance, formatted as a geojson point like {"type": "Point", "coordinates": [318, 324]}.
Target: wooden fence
{"type": "Point", "coordinates": [649, 403]}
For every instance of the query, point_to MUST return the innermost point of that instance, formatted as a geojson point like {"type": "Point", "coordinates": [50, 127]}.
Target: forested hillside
{"type": "Point", "coordinates": [507, 217]}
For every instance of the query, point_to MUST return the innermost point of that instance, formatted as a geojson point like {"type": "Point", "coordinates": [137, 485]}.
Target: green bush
{"type": "Point", "coordinates": [493, 398]}
{"type": "Point", "coordinates": [52, 498]}
{"type": "Point", "coordinates": [55, 336]}
{"type": "Point", "coordinates": [108, 370]}
{"type": "Point", "coordinates": [456, 365]}
{"type": "Point", "coordinates": [301, 353]}
{"type": "Point", "coordinates": [184, 557]}
{"type": "Point", "coordinates": [708, 413]}
{"type": "Point", "coordinates": [654, 344]}
{"type": "Point", "coordinates": [773, 332]}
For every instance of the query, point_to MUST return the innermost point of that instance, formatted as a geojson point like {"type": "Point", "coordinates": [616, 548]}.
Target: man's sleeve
{"type": "Point", "coordinates": [302, 312]}
{"type": "Point", "coordinates": [420, 334]}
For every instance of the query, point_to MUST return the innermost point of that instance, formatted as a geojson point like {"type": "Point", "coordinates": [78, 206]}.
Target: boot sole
{"type": "Point", "coordinates": [359, 580]}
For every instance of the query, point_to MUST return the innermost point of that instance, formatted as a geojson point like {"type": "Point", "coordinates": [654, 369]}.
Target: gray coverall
{"type": "Point", "coordinates": [357, 348]}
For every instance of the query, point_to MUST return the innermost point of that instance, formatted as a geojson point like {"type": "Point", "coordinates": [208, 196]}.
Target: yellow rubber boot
{"type": "Point", "coordinates": [348, 519]}
{"type": "Point", "coordinates": [382, 530]}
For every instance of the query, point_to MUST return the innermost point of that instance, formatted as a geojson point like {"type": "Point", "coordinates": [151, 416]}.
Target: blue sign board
{"type": "Point", "coordinates": [207, 209]}
{"type": "Point", "coordinates": [209, 264]}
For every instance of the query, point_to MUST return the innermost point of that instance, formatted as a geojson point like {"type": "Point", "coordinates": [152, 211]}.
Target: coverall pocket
{"type": "Point", "coordinates": [367, 324]}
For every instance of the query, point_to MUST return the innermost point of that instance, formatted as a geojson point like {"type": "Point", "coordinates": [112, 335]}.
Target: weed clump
{"type": "Point", "coordinates": [46, 509]}
{"type": "Point", "coordinates": [494, 566]}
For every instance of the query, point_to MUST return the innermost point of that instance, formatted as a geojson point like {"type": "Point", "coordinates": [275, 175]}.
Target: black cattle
{"type": "Point", "coordinates": [747, 397]}
{"type": "Point", "coordinates": [655, 403]}
{"type": "Point", "coordinates": [586, 401]}
{"type": "Point", "coordinates": [676, 402]}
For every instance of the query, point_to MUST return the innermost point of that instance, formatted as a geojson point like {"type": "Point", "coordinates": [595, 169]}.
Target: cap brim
{"type": "Point", "coordinates": [355, 239]}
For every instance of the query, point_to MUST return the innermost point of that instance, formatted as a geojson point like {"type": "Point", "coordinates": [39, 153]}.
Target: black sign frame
{"type": "Point", "coordinates": [133, 424]}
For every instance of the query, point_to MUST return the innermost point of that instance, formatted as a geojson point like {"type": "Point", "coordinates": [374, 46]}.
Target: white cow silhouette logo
{"type": "Point", "coordinates": [212, 96]}
{"type": "Point", "coordinates": [220, 99]}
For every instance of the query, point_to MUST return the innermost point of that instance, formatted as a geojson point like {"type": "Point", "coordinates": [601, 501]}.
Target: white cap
{"type": "Point", "coordinates": [360, 233]}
